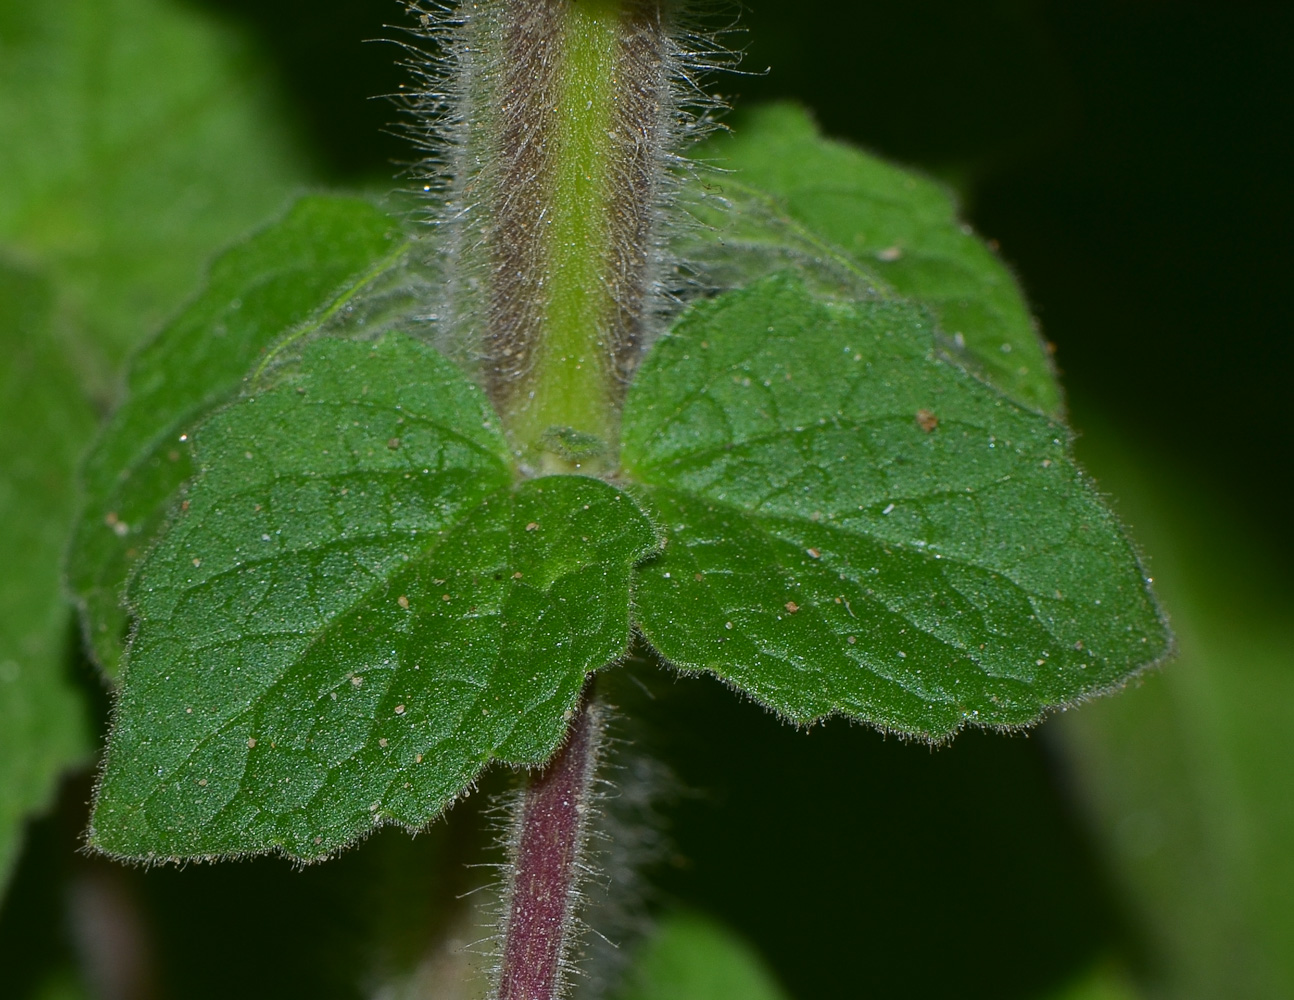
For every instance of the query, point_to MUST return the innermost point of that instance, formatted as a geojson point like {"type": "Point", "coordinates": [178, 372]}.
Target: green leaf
{"type": "Point", "coordinates": [690, 957]}
{"type": "Point", "coordinates": [856, 526]}
{"type": "Point", "coordinates": [44, 423]}
{"type": "Point", "coordinates": [296, 276]}
{"type": "Point", "coordinates": [888, 228]}
{"type": "Point", "coordinates": [354, 612]}
{"type": "Point", "coordinates": [136, 137]}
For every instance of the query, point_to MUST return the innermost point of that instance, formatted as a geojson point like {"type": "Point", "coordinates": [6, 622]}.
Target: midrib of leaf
{"type": "Point", "coordinates": [939, 262]}
{"type": "Point", "coordinates": [337, 305]}
{"type": "Point", "coordinates": [149, 447]}
{"type": "Point", "coordinates": [770, 526]}
{"type": "Point", "coordinates": [837, 254]}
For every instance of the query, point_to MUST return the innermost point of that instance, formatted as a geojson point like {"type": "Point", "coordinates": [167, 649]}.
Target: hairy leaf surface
{"type": "Point", "coordinates": [355, 611]}
{"type": "Point", "coordinates": [45, 421]}
{"type": "Point", "coordinates": [293, 277]}
{"type": "Point", "coordinates": [843, 213]}
{"type": "Point", "coordinates": [856, 526]}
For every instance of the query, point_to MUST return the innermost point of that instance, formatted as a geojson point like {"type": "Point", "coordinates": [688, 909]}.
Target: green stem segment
{"type": "Point", "coordinates": [570, 383]}
{"type": "Point", "coordinates": [573, 122]}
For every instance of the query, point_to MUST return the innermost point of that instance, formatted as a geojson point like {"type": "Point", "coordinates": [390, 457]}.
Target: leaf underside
{"type": "Point", "coordinates": [846, 216]}
{"type": "Point", "coordinates": [355, 605]}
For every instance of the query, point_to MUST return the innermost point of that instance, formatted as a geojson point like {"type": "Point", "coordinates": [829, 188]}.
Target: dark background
{"type": "Point", "coordinates": [1132, 159]}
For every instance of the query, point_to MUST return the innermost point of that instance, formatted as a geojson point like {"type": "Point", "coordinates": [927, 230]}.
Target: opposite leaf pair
{"type": "Point", "coordinates": [356, 605]}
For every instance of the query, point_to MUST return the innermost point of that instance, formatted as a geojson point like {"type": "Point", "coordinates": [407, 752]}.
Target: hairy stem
{"type": "Point", "coordinates": [538, 932]}
{"type": "Point", "coordinates": [559, 195]}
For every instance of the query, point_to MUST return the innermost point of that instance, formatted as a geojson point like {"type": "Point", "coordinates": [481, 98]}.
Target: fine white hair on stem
{"type": "Point", "coordinates": [481, 140]}
{"type": "Point", "coordinates": [621, 837]}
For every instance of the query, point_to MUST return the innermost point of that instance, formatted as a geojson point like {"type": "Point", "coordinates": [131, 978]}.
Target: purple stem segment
{"type": "Point", "coordinates": [546, 869]}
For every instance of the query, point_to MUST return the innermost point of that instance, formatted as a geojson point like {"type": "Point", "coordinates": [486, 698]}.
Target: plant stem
{"type": "Point", "coordinates": [569, 385]}
{"type": "Point", "coordinates": [547, 866]}
{"type": "Point", "coordinates": [571, 99]}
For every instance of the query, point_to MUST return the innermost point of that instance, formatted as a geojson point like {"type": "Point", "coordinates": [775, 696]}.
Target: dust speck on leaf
{"type": "Point", "coordinates": [926, 420]}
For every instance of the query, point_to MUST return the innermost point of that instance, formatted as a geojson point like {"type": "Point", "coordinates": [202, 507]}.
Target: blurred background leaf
{"type": "Point", "coordinates": [136, 138]}
{"type": "Point", "coordinates": [44, 421]}
{"type": "Point", "coordinates": [1187, 777]}
{"type": "Point", "coordinates": [690, 957]}
{"type": "Point", "coordinates": [1132, 159]}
